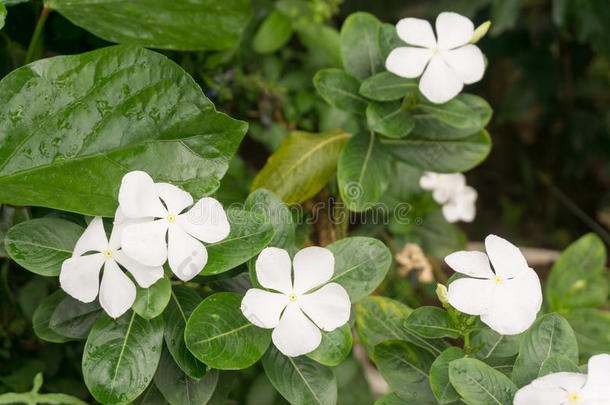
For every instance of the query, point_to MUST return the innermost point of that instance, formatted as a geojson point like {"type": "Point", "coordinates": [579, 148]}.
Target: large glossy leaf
{"type": "Point", "coordinates": [439, 375]}
{"type": "Point", "coordinates": [264, 202]}
{"type": "Point", "coordinates": [432, 322]}
{"type": "Point", "coordinates": [340, 89]}
{"type": "Point", "coordinates": [334, 348]}
{"type": "Point", "coordinates": [389, 119]}
{"type": "Point", "coordinates": [150, 302]}
{"type": "Point", "coordinates": [41, 245]}
{"type": "Point", "coordinates": [250, 233]}
{"type": "Point", "coordinates": [592, 329]}
{"type": "Point", "coordinates": [386, 86]}
{"type": "Point", "coordinates": [273, 33]}
{"type": "Point", "coordinates": [42, 316]}
{"type": "Point", "coordinates": [180, 389]}
{"type": "Point", "coordinates": [361, 264]}
{"type": "Point", "coordinates": [405, 367]}
{"type": "Point", "coordinates": [218, 324]}
{"type": "Point", "coordinates": [179, 24]}
{"type": "Point", "coordinates": [477, 383]}
{"type": "Point", "coordinates": [362, 172]}
{"type": "Point", "coordinates": [550, 334]}
{"type": "Point", "coordinates": [359, 49]}
{"type": "Point", "coordinates": [578, 278]}
{"type": "Point", "coordinates": [74, 319]}
{"type": "Point", "coordinates": [72, 126]}
{"type": "Point", "coordinates": [121, 356]}
{"type": "Point", "coordinates": [300, 380]}
{"type": "Point", "coordinates": [302, 165]}
{"type": "Point", "coordinates": [180, 307]}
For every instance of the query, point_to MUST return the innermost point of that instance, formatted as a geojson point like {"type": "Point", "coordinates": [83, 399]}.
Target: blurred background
{"type": "Point", "coordinates": [545, 183]}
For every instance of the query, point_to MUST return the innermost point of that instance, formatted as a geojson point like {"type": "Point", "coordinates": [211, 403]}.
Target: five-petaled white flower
{"type": "Point", "coordinates": [79, 275]}
{"type": "Point", "coordinates": [295, 309]}
{"type": "Point", "coordinates": [508, 300]}
{"type": "Point", "coordinates": [570, 388]}
{"type": "Point", "coordinates": [451, 191]}
{"type": "Point", "coordinates": [449, 62]}
{"type": "Point", "coordinates": [158, 209]}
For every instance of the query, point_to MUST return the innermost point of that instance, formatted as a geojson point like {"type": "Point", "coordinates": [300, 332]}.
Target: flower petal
{"type": "Point", "coordinates": [467, 62]}
{"type": "Point", "coordinates": [117, 292]}
{"type": "Point", "coordinates": [273, 268]}
{"type": "Point", "coordinates": [453, 30]}
{"type": "Point", "coordinates": [415, 31]}
{"type": "Point", "coordinates": [439, 82]}
{"type": "Point", "coordinates": [429, 181]}
{"type": "Point", "coordinates": [407, 61]}
{"type": "Point", "coordinates": [506, 258]}
{"type": "Point", "coordinates": [328, 307]}
{"type": "Point", "coordinates": [448, 186]}
{"type": "Point", "coordinates": [145, 242]}
{"type": "Point", "coordinates": [206, 221]}
{"type": "Point", "coordinates": [597, 386]}
{"type": "Point", "coordinates": [186, 255]}
{"type": "Point", "coordinates": [175, 198]}
{"type": "Point", "coordinates": [79, 276]}
{"type": "Point", "coordinates": [138, 197]}
{"type": "Point", "coordinates": [475, 264]}
{"type": "Point", "coordinates": [145, 275]}
{"type": "Point", "coordinates": [120, 221]}
{"type": "Point", "coordinates": [547, 390]}
{"type": "Point", "coordinates": [472, 296]}
{"type": "Point", "coordinates": [295, 335]}
{"type": "Point", "coordinates": [263, 308]}
{"type": "Point", "coordinates": [93, 239]}
{"type": "Point", "coordinates": [313, 266]}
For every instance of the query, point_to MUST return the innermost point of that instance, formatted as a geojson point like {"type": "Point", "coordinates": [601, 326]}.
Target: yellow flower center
{"type": "Point", "coordinates": [171, 218]}
{"type": "Point", "coordinates": [574, 398]}
{"type": "Point", "coordinates": [498, 280]}
{"type": "Point", "coordinates": [292, 297]}
{"type": "Point", "coordinates": [108, 253]}
{"type": "Point", "coordinates": [437, 51]}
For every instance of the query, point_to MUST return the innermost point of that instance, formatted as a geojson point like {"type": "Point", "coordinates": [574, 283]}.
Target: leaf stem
{"type": "Point", "coordinates": [36, 35]}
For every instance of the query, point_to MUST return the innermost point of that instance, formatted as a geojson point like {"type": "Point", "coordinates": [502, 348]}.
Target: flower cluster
{"type": "Point", "coordinates": [152, 225]}
{"type": "Point", "coordinates": [450, 190]}
{"type": "Point", "coordinates": [445, 62]}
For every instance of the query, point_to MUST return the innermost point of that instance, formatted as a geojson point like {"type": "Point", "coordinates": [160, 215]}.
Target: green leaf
{"type": "Point", "coordinates": [41, 245]}
{"type": "Point", "coordinates": [273, 33]}
{"type": "Point", "coordinates": [380, 318]}
{"type": "Point", "coordinates": [150, 302]}
{"type": "Point", "coordinates": [2, 15]}
{"type": "Point", "coordinates": [121, 356]}
{"type": "Point", "coordinates": [550, 334]}
{"type": "Point", "coordinates": [557, 363]}
{"type": "Point", "coordinates": [477, 383]}
{"type": "Point", "coordinates": [323, 43]}
{"type": "Point", "coordinates": [217, 324]}
{"type": "Point", "coordinates": [340, 89]}
{"type": "Point", "coordinates": [335, 346]}
{"type": "Point", "coordinates": [389, 119]}
{"type": "Point", "coordinates": [300, 380]}
{"type": "Point", "coordinates": [9, 217]}
{"type": "Point", "coordinates": [386, 86]}
{"type": "Point", "coordinates": [74, 319]}
{"type": "Point", "coordinates": [181, 305]}
{"type": "Point", "coordinates": [495, 345]}
{"type": "Point", "coordinates": [432, 322]}
{"type": "Point", "coordinates": [362, 172]}
{"type": "Point", "coordinates": [302, 165]}
{"type": "Point", "coordinates": [42, 316]}
{"type": "Point", "coordinates": [181, 24]}
{"type": "Point", "coordinates": [72, 126]}
{"type": "Point", "coordinates": [439, 375]}
{"type": "Point", "coordinates": [359, 49]}
{"type": "Point", "coordinates": [180, 389]}
{"type": "Point", "coordinates": [264, 202]}
{"type": "Point", "coordinates": [250, 233]}
{"type": "Point", "coordinates": [454, 113]}
{"type": "Point", "coordinates": [405, 367]}
{"type": "Point", "coordinates": [578, 277]}
{"type": "Point", "coordinates": [151, 396]}
{"type": "Point", "coordinates": [592, 329]}
{"type": "Point", "coordinates": [388, 40]}
{"type": "Point", "coordinates": [390, 399]}
{"type": "Point", "coordinates": [361, 264]}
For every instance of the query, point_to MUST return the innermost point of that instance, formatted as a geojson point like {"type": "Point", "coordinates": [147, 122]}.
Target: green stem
{"type": "Point", "coordinates": [36, 36]}
{"type": "Point", "coordinates": [467, 343]}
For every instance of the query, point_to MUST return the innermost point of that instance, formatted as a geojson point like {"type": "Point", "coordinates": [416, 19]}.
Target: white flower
{"type": "Point", "coordinates": [449, 63]}
{"type": "Point", "coordinates": [461, 206]}
{"type": "Point", "coordinates": [328, 307]}
{"type": "Point", "coordinates": [79, 275]}
{"type": "Point", "coordinates": [570, 388]}
{"type": "Point", "coordinates": [159, 207]}
{"type": "Point", "coordinates": [508, 300]}
{"type": "Point", "coordinates": [451, 191]}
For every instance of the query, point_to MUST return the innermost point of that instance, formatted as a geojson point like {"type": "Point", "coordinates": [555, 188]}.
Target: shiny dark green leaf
{"type": "Point", "coordinates": [42, 316]}
{"type": "Point", "coordinates": [335, 346]}
{"type": "Point", "coordinates": [74, 319]}
{"type": "Point", "coordinates": [264, 202]}
{"type": "Point", "coordinates": [477, 383]}
{"type": "Point", "coordinates": [150, 302]}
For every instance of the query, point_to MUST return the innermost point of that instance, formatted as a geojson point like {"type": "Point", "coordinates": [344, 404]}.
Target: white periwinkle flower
{"type": "Point", "coordinates": [450, 190]}
{"type": "Point", "coordinates": [462, 206]}
{"type": "Point", "coordinates": [570, 388]}
{"type": "Point", "coordinates": [507, 300]}
{"type": "Point", "coordinates": [447, 63]}
{"type": "Point", "coordinates": [157, 209]}
{"type": "Point", "coordinates": [295, 309]}
{"type": "Point", "coordinates": [79, 275]}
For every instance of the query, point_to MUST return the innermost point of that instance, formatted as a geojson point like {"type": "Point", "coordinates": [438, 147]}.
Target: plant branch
{"type": "Point", "coordinates": [37, 33]}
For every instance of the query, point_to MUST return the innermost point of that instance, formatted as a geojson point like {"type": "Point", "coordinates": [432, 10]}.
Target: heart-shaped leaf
{"type": "Point", "coordinates": [340, 89]}
{"type": "Point", "coordinates": [334, 348]}
{"type": "Point", "coordinates": [478, 383]}
{"type": "Point", "coordinates": [150, 302]}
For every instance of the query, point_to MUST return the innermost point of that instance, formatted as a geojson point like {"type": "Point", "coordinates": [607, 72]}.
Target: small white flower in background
{"type": "Point", "coordinates": [507, 300]}
{"type": "Point", "coordinates": [158, 211]}
{"type": "Point", "coordinates": [291, 310]}
{"type": "Point", "coordinates": [570, 388]}
{"type": "Point", "coordinates": [79, 275]}
{"type": "Point", "coordinates": [447, 63]}
{"type": "Point", "coordinates": [450, 190]}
